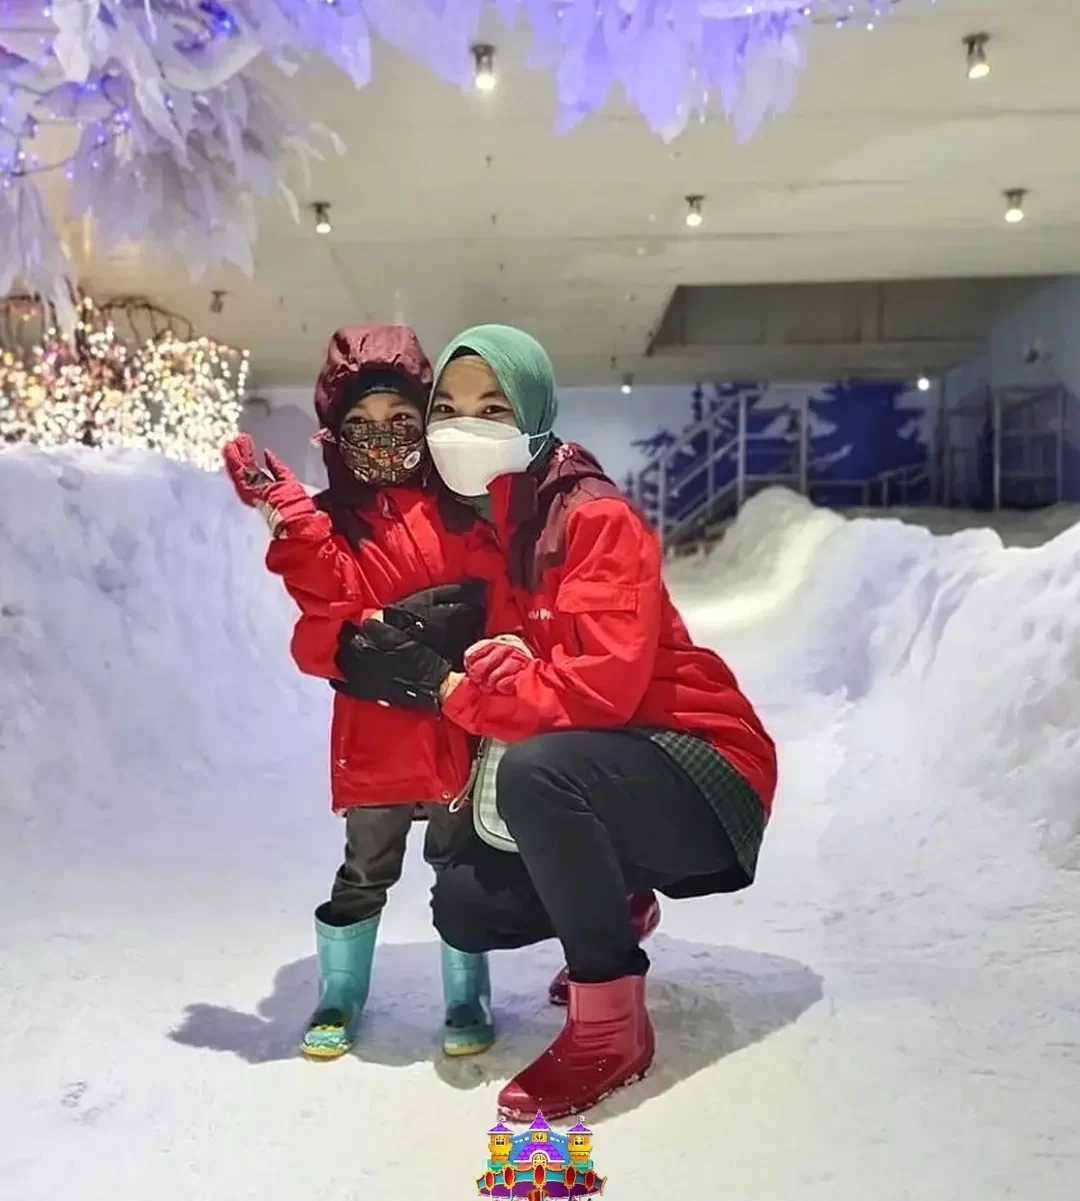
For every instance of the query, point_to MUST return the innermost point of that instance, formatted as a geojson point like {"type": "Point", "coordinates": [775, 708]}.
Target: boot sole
{"type": "Point", "coordinates": [520, 1118]}
{"type": "Point", "coordinates": [467, 1049]}
{"type": "Point", "coordinates": [324, 1054]}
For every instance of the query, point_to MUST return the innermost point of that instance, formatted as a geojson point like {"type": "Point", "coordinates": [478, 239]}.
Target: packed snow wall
{"type": "Point", "coordinates": [146, 691]}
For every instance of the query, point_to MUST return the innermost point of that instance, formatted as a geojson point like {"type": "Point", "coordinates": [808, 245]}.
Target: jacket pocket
{"type": "Point", "coordinates": [596, 596]}
{"type": "Point", "coordinates": [578, 597]}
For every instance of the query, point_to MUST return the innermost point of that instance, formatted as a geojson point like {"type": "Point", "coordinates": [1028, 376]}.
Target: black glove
{"type": "Point", "coordinates": [380, 663]}
{"type": "Point", "coordinates": [448, 619]}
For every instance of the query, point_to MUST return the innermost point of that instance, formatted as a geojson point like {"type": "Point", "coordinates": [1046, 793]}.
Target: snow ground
{"type": "Point", "coordinates": [893, 1011]}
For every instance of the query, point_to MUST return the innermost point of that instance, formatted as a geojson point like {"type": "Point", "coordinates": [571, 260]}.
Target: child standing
{"type": "Point", "coordinates": [384, 531]}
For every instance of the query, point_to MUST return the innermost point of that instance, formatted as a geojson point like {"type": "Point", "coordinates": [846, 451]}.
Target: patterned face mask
{"type": "Point", "coordinates": [382, 452]}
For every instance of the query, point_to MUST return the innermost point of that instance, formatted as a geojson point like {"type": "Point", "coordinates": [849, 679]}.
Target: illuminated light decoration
{"type": "Point", "coordinates": [180, 396]}
{"type": "Point", "coordinates": [173, 133]}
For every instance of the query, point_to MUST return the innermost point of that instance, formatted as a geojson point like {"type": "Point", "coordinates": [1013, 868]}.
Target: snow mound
{"type": "Point", "coordinates": [945, 671]}
{"type": "Point", "coordinates": [762, 562]}
{"type": "Point", "coordinates": [144, 664]}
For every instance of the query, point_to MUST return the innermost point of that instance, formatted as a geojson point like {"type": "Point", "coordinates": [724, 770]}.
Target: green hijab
{"type": "Point", "coordinates": [523, 369]}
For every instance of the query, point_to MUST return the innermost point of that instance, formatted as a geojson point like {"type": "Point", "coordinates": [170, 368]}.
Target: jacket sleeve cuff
{"type": "Point", "coordinates": [461, 705]}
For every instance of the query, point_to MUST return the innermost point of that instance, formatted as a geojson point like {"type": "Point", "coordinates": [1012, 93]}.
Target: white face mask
{"type": "Point", "coordinates": [469, 452]}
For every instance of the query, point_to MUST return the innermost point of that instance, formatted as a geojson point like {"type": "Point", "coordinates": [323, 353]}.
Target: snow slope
{"type": "Point", "coordinates": [891, 1012]}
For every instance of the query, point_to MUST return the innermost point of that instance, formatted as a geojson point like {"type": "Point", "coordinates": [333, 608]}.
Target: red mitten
{"type": "Point", "coordinates": [274, 490]}
{"type": "Point", "coordinates": [493, 666]}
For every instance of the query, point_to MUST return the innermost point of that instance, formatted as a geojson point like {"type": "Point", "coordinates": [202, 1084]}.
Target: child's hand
{"type": "Point", "coordinates": [274, 490]}
{"type": "Point", "coordinates": [382, 664]}
{"type": "Point", "coordinates": [448, 619]}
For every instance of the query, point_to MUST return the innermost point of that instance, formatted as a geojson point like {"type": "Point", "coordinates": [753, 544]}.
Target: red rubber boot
{"type": "Point", "coordinates": [607, 1043]}
{"type": "Point", "coordinates": [644, 917]}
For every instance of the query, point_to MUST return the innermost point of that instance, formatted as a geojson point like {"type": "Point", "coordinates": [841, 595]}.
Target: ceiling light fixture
{"type": "Point", "coordinates": [1014, 205]}
{"type": "Point", "coordinates": [322, 217]}
{"type": "Point", "coordinates": [627, 385]}
{"type": "Point", "coordinates": [694, 215]}
{"type": "Point", "coordinates": [978, 65]}
{"type": "Point", "coordinates": [923, 383]}
{"type": "Point", "coordinates": [484, 67]}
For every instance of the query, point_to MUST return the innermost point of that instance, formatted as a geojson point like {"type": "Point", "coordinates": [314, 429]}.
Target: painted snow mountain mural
{"type": "Point", "coordinates": [855, 431]}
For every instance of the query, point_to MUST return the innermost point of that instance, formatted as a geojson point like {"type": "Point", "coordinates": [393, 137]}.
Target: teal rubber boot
{"type": "Point", "coordinates": [345, 956]}
{"type": "Point", "coordinates": [468, 1029]}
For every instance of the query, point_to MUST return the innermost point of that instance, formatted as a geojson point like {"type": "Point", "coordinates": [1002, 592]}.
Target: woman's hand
{"type": "Point", "coordinates": [494, 663]}
{"type": "Point", "coordinates": [274, 490]}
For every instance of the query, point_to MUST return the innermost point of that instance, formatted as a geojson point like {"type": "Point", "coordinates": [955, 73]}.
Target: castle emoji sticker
{"type": "Point", "coordinates": [539, 1163]}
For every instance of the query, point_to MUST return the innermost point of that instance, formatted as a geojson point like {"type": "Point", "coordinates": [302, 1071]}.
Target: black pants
{"type": "Point", "coordinates": [596, 814]}
{"type": "Point", "coordinates": [375, 840]}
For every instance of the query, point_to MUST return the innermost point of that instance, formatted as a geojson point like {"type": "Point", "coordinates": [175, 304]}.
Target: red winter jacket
{"type": "Point", "coordinates": [369, 549]}
{"type": "Point", "coordinates": [587, 594]}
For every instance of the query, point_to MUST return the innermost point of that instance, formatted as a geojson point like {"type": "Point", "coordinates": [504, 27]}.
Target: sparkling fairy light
{"type": "Point", "coordinates": [180, 397]}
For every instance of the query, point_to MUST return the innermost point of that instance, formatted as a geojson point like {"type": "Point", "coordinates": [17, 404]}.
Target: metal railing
{"type": "Point", "coordinates": [899, 486]}
{"type": "Point", "coordinates": [705, 473]}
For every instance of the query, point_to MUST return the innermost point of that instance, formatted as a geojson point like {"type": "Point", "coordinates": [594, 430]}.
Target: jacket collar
{"type": "Point", "coordinates": [520, 499]}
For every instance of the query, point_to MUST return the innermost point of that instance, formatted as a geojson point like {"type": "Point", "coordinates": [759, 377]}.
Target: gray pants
{"type": "Point", "coordinates": [375, 840]}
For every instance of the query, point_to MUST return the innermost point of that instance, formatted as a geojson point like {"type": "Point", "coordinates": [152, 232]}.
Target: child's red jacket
{"type": "Point", "coordinates": [368, 549]}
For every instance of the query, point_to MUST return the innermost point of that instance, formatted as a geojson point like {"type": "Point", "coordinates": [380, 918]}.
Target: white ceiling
{"type": "Point", "coordinates": [452, 208]}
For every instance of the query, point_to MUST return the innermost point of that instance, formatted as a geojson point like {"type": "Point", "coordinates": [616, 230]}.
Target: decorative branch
{"type": "Point", "coordinates": [172, 135]}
